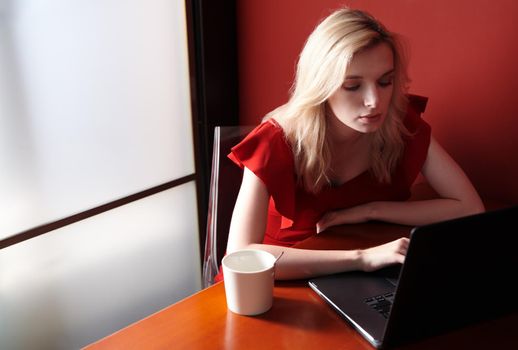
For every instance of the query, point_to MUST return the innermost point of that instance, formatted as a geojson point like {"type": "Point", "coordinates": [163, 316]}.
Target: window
{"type": "Point", "coordinates": [97, 162]}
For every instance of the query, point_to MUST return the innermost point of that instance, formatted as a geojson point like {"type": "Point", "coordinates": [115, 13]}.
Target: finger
{"type": "Point", "coordinates": [403, 251]}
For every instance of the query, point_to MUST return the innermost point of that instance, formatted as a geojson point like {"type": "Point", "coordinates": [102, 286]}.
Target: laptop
{"type": "Point", "coordinates": [456, 272]}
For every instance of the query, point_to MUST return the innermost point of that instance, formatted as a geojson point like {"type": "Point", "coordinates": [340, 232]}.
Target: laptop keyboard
{"type": "Point", "coordinates": [381, 303]}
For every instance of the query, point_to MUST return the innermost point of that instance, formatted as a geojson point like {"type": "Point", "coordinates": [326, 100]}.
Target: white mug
{"type": "Point", "coordinates": [249, 278]}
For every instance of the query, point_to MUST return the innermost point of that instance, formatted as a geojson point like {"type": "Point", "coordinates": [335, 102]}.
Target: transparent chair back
{"type": "Point", "coordinates": [224, 187]}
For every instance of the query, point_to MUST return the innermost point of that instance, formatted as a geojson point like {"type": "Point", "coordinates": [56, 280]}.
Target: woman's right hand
{"type": "Point", "coordinates": [383, 255]}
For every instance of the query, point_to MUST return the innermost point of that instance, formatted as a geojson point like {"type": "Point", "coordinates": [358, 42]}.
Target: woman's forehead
{"type": "Point", "coordinates": [373, 61]}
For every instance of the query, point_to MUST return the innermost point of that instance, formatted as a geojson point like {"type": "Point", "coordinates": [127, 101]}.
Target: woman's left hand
{"type": "Point", "coordinates": [353, 215]}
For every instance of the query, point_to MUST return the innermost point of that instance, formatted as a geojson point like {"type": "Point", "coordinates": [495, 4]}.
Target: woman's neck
{"type": "Point", "coordinates": [349, 150]}
{"type": "Point", "coordinates": [340, 134]}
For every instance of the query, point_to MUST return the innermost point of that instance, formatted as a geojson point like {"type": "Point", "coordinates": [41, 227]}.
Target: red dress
{"type": "Point", "coordinates": [293, 212]}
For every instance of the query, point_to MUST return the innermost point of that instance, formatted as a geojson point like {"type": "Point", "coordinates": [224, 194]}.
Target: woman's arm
{"type": "Point", "coordinates": [457, 195]}
{"type": "Point", "coordinates": [248, 226]}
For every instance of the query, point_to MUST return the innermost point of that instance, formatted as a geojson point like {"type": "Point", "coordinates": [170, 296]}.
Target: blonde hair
{"type": "Point", "coordinates": [320, 72]}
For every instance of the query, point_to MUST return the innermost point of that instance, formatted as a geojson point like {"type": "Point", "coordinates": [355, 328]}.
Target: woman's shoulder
{"type": "Point", "coordinates": [266, 153]}
{"type": "Point", "coordinates": [266, 137]}
{"type": "Point", "coordinates": [265, 144]}
{"type": "Point", "coordinates": [269, 128]}
{"type": "Point", "coordinates": [414, 122]}
{"type": "Point", "coordinates": [417, 142]}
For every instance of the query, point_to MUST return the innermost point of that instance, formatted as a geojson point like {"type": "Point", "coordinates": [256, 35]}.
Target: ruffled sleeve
{"type": "Point", "coordinates": [417, 143]}
{"type": "Point", "coordinates": [266, 152]}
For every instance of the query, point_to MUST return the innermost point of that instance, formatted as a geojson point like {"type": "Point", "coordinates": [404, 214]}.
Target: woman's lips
{"type": "Point", "coordinates": [371, 118]}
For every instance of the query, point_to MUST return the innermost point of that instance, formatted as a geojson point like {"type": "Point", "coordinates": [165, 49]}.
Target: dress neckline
{"type": "Point", "coordinates": [351, 180]}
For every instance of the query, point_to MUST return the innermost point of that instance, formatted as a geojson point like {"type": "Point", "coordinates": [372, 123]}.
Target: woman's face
{"type": "Point", "coordinates": [361, 103]}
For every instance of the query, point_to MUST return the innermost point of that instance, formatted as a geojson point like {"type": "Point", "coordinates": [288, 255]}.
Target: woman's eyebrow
{"type": "Point", "coordinates": [360, 77]}
{"type": "Point", "coordinates": [388, 72]}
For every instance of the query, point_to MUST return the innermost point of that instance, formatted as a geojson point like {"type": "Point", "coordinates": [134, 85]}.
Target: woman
{"type": "Point", "coordinates": [345, 148]}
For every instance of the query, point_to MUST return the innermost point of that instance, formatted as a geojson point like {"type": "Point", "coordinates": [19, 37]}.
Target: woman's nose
{"type": "Point", "coordinates": [371, 98]}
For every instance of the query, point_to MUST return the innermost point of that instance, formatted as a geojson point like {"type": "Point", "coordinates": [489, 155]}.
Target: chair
{"type": "Point", "coordinates": [225, 182]}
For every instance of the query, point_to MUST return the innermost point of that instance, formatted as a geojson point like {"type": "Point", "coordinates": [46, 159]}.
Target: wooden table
{"type": "Point", "coordinates": [299, 319]}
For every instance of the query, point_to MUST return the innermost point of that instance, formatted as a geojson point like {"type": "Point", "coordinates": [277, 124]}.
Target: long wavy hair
{"type": "Point", "coordinates": [321, 68]}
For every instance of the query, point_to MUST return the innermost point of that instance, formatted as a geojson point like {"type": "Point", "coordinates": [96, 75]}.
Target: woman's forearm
{"type": "Point", "coordinates": [305, 263]}
{"type": "Point", "coordinates": [421, 212]}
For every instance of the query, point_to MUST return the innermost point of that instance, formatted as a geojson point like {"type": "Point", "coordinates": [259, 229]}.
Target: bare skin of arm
{"type": "Point", "coordinates": [457, 198]}
{"type": "Point", "coordinates": [247, 231]}
{"type": "Point", "coordinates": [457, 195]}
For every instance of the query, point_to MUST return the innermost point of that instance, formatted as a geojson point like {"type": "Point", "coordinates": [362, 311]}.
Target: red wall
{"type": "Point", "coordinates": [463, 56]}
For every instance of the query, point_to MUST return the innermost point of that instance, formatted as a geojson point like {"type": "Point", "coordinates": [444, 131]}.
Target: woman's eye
{"type": "Point", "coordinates": [385, 82]}
{"type": "Point", "coordinates": [351, 87]}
